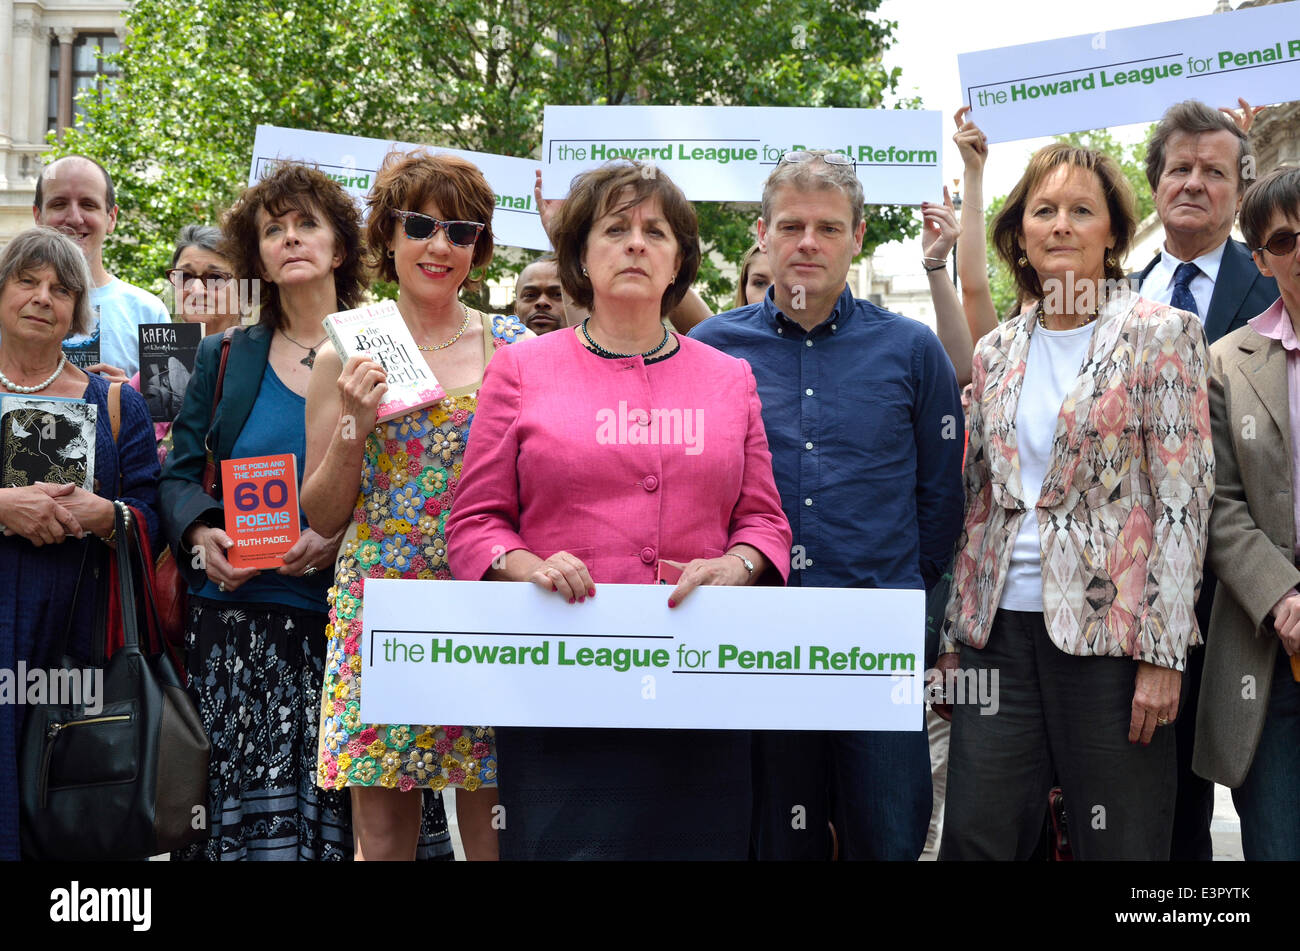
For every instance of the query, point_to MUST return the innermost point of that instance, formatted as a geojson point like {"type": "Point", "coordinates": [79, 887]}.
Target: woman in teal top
{"type": "Point", "coordinates": [256, 638]}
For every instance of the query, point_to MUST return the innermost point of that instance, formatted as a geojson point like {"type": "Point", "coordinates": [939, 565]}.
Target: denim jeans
{"type": "Point", "coordinates": [1266, 801]}
{"type": "Point", "coordinates": [875, 785]}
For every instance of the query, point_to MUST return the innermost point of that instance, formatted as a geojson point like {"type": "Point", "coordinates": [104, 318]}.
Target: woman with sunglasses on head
{"type": "Point", "coordinates": [256, 639]}
{"type": "Point", "coordinates": [391, 486]}
{"type": "Point", "coordinates": [1249, 739]}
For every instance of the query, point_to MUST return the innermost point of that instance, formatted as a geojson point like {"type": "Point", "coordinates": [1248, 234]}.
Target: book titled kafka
{"type": "Point", "coordinates": [47, 439]}
{"type": "Point", "coordinates": [167, 356]}
{"type": "Point", "coordinates": [379, 333]}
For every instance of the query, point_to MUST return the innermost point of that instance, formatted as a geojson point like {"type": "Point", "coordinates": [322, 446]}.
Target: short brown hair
{"type": "Point", "coordinates": [44, 247]}
{"type": "Point", "coordinates": [1279, 190]}
{"type": "Point", "coordinates": [291, 186]}
{"type": "Point", "coordinates": [597, 193]}
{"type": "Point", "coordinates": [1008, 227]}
{"type": "Point", "coordinates": [1192, 117]}
{"type": "Point", "coordinates": [409, 180]}
{"type": "Point", "coordinates": [813, 176]}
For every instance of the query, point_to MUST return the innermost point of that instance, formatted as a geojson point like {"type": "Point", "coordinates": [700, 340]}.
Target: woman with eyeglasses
{"type": "Point", "coordinates": [391, 486]}
{"type": "Point", "coordinates": [205, 292]}
{"type": "Point", "coordinates": [256, 639]}
{"type": "Point", "coordinates": [1248, 721]}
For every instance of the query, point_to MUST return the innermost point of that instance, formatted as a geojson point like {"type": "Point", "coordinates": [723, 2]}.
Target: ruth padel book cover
{"type": "Point", "coordinates": [167, 356]}
{"type": "Point", "coordinates": [47, 439]}
{"type": "Point", "coordinates": [379, 332]}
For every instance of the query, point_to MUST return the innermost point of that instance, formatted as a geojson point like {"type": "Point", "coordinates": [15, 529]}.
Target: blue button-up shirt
{"type": "Point", "coordinates": [864, 421]}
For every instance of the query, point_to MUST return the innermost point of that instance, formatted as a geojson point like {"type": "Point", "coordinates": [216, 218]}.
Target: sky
{"type": "Point", "coordinates": [931, 33]}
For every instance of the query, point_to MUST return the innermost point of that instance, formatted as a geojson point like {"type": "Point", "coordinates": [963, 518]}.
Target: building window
{"type": "Point", "coordinates": [88, 71]}
{"type": "Point", "coordinates": [91, 71]}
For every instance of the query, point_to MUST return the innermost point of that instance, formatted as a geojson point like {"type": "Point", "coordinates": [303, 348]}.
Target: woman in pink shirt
{"type": "Point", "coordinates": [663, 438]}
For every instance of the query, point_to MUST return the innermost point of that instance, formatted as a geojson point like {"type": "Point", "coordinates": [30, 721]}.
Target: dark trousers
{"type": "Point", "coordinates": [1194, 804]}
{"type": "Point", "coordinates": [1062, 713]}
{"type": "Point", "coordinates": [1266, 801]}
{"type": "Point", "coordinates": [875, 785]}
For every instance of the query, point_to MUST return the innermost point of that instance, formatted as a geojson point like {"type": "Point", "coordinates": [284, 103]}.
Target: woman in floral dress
{"type": "Point", "coordinates": [396, 486]}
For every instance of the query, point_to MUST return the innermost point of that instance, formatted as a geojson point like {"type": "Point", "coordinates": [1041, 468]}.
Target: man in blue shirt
{"type": "Point", "coordinates": [864, 421]}
{"type": "Point", "coordinates": [75, 195]}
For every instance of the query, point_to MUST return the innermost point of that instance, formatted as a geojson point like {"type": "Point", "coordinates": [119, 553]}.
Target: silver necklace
{"type": "Point", "coordinates": [10, 384]}
{"type": "Point", "coordinates": [308, 361]}
{"type": "Point", "coordinates": [464, 324]}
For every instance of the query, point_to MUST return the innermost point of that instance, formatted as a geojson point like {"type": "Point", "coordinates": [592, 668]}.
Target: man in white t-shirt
{"type": "Point", "coordinates": [75, 195]}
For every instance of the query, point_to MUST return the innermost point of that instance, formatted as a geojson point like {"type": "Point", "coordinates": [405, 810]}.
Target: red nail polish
{"type": "Point", "coordinates": [580, 600]}
{"type": "Point", "coordinates": [672, 603]}
{"type": "Point", "coordinates": [591, 592]}
{"type": "Point", "coordinates": [554, 588]}
{"type": "Point", "coordinates": [571, 600]}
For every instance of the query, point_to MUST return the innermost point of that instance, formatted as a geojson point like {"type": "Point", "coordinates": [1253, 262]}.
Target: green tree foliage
{"type": "Point", "coordinates": [177, 129]}
{"type": "Point", "coordinates": [1132, 160]}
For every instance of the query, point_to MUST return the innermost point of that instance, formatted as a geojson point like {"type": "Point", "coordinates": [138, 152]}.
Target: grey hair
{"type": "Point", "coordinates": [203, 237]}
{"type": "Point", "coordinates": [807, 176]}
{"type": "Point", "coordinates": [44, 247]}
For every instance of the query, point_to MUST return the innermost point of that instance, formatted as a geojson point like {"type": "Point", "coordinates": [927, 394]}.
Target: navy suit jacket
{"type": "Point", "coordinates": [1240, 292]}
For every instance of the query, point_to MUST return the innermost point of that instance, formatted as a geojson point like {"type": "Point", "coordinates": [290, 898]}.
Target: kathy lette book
{"type": "Point", "coordinates": [379, 332]}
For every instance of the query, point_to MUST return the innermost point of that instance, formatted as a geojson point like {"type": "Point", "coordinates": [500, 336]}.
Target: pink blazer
{"type": "Point", "coordinates": [616, 462]}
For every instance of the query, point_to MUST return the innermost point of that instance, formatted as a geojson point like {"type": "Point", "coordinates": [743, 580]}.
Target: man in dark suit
{"type": "Point", "coordinates": [1195, 163]}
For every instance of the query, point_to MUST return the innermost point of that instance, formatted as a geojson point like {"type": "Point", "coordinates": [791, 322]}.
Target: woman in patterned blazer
{"type": "Point", "coordinates": [1089, 478]}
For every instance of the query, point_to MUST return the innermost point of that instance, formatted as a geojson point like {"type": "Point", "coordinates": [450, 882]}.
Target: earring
{"type": "Point", "coordinates": [584, 270]}
{"type": "Point", "coordinates": [1110, 260]}
{"type": "Point", "coordinates": [390, 253]}
{"type": "Point", "coordinates": [1023, 261]}
{"type": "Point", "coordinates": [673, 279]}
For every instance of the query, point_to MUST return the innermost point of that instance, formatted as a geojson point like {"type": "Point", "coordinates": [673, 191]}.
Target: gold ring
{"type": "Point", "coordinates": [1162, 721]}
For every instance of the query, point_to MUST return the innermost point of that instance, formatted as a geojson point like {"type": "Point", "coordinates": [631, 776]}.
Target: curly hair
{"type": "Point", "coordinates": [292, 186]}
{"type": "Point", "coordinates": [407, 181]}
{"type": "Point", "coordinates": [616, 187]}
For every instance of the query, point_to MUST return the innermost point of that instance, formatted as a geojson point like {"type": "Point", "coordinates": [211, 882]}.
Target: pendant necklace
{"type": "Point", "coordinates": [10, 384]}
{"type": "Point", "coordinates": [308, 361]}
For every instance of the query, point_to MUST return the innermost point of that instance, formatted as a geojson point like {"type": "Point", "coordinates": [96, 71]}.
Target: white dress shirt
{"type": "Point", "coordinates": [1159, 285]}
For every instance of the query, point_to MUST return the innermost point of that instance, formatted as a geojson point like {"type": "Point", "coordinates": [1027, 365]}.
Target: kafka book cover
{"type": "Point", "coordinates": [379, 332]}
{"type": "Point", "coordinates": [167, 356]}
{"type": "Point", "coordinates": [47, 439]}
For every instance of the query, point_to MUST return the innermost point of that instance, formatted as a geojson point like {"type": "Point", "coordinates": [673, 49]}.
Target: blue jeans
{"type": "Point", "coordinates": [875, 785]}
{"type": "Point", "coordinates": [1266, 801]}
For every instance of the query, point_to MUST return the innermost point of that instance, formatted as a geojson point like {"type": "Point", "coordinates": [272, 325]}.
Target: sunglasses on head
{"type": "Point", "coordinates": [830, 158]}
{"type": "Point", "coordinates": [1280, 244]}
{"type": "Point", "coordinates": [420, 227]}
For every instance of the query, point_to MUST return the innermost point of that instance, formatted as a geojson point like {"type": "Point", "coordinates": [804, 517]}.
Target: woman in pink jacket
{"type": "Point", "coordinates": [612, 453]}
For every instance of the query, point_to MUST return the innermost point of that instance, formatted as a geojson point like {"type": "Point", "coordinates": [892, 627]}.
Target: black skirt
{"type": "Point", "coordinates": [624, 794]}
{"type": "Point", "coordinates": [256, 672]}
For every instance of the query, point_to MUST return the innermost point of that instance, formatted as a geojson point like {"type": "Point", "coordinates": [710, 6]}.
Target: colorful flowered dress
{"type": "Point", "coordinates": [408, 480]}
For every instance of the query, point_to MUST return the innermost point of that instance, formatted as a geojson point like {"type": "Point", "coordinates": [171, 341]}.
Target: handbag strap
{"type": "Point", "coordinates": [122, 524]}
{"type": "Point", "coordinates": [211, 472]}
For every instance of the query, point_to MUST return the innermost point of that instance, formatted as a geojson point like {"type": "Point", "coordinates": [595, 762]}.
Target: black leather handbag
{"type": "Point", "coordinates": [129, 779]}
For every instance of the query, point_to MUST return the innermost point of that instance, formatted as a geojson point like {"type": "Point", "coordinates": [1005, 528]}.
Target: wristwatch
{"type": "Point", "coordinates": [749, 565]}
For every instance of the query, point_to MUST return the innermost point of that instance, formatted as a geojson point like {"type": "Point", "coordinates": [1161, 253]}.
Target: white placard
{"type": "Point", "coordinates": [1098, 80]}
{"type": "Point", "coordinates": [757, 658]}
{"type": "Point", "coordinates": [352, 161]}
{"type": "Point", "coordinates": [725, 153]}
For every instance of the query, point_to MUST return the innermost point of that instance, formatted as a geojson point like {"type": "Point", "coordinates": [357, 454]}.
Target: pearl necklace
{"type": "Point", "coordinates": [10, 384]}
{"type": "Point", "coordinates": [464, 324]}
